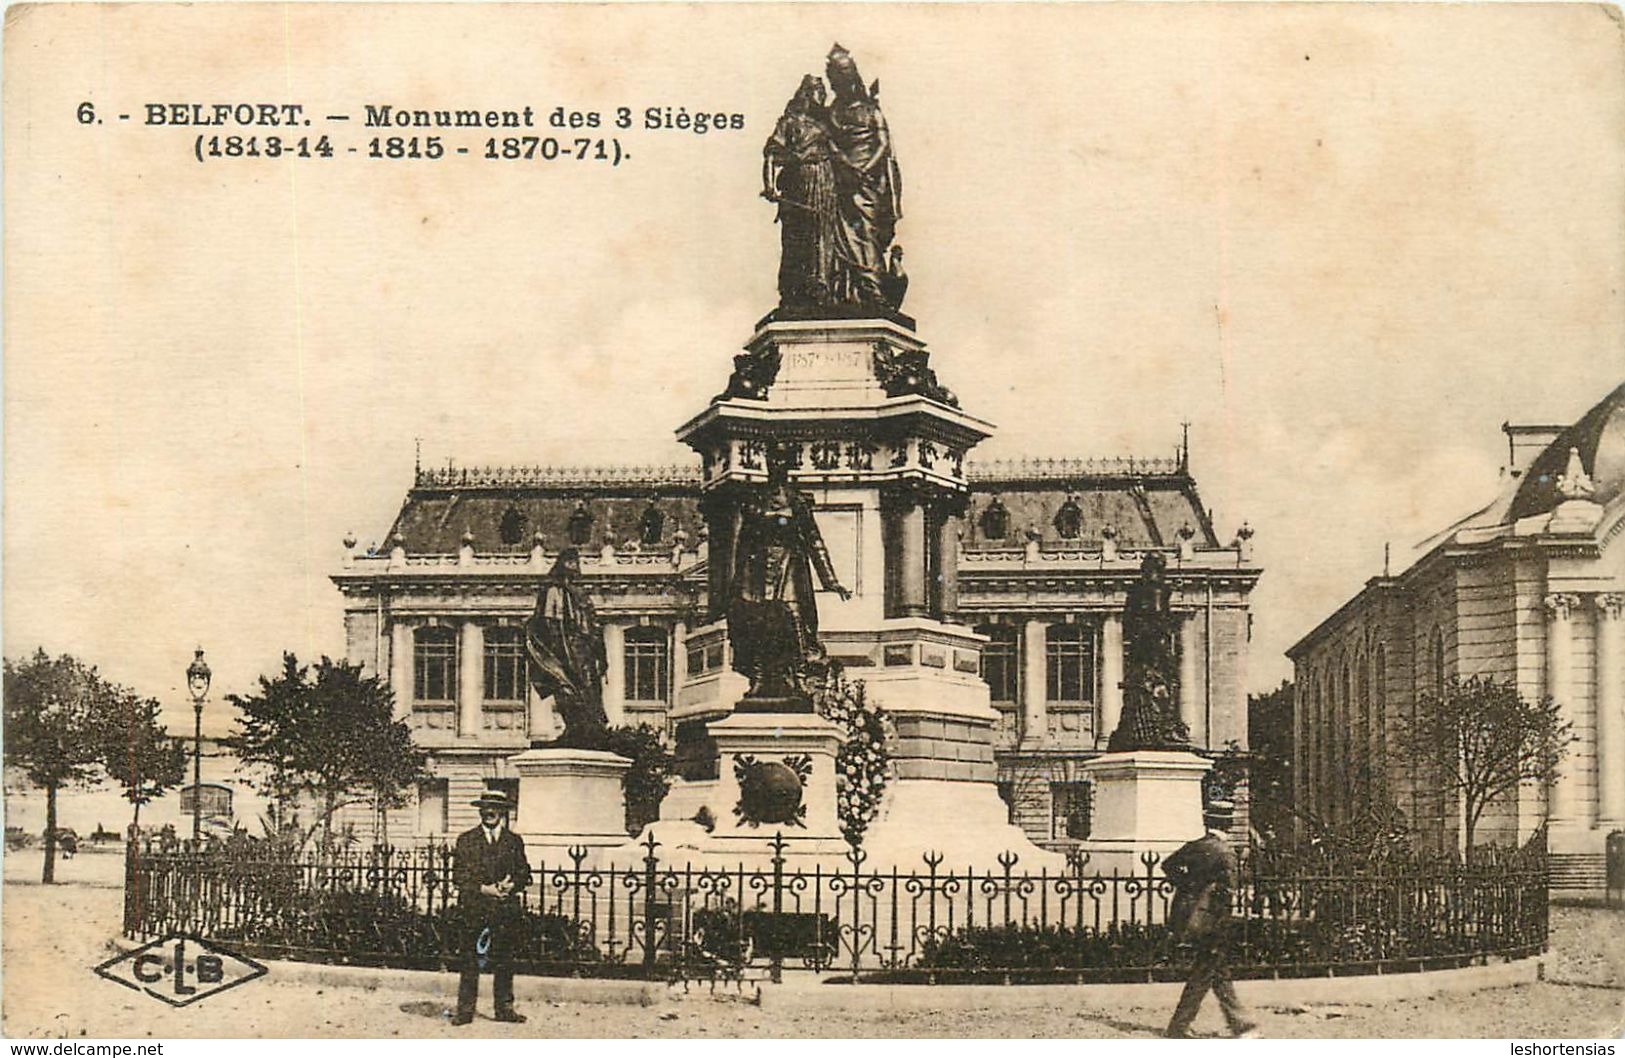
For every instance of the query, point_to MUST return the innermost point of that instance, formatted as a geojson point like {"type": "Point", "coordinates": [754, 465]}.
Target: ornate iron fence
{"type": "Point", "coordinates": [395, 907]}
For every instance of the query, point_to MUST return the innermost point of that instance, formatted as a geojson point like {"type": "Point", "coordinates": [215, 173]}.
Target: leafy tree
{"type": "Point", "coordinates": [648, 780]}
{"type": "Point", "coordinates": [137, 752]}
{"type": "Point", "coordinates": [1270, 743]}
{"type": "Point", "coordinates": [52, 709]}
{"type": "Point", "coordinates": [329, 734]}
{"type": "Point", "coordinates": [1483, 739]}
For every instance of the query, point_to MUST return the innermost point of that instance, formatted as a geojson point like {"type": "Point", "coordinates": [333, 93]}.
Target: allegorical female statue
{"type": "Point", "coordinates": [773, 613]}
{"type": "Point", "coordinates": [798, 172]}
{"type": "Point", "coordinates": [1150, 710]}
{"type": "Point", "coordinates": [839, 193]}
{"type": "Point", "coordinates": [565, 645]}
{"type": "Point", "coordinates": [868, 185]}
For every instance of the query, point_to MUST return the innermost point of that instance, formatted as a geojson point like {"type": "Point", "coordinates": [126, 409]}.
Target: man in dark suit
{"type": "Point", "coordinates": [490, 873]}
{"type": "Point", "coordinates": [1203, 873]}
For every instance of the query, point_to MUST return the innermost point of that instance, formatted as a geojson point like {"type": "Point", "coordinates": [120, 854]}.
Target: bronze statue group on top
{"type": "Point", "coordinates": [829, 165]}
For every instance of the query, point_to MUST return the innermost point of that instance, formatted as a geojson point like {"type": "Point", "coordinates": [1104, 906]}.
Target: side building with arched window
{"type": "Point", "coordinates": [1527, 590]}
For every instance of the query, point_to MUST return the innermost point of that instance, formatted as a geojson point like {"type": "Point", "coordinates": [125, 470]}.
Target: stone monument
{"type": "Point", "coordinates": [1148, 785]}
{"type": "Point", "coordinates": [833, 478]}
{"type": "Point", "coordinates": [570, 787]}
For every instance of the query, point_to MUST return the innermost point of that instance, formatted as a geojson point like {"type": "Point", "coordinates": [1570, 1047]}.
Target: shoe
{"type": "Point", "coordinates": [1251, 1032]}
{"type": "Point", "coordinates": [462, 1018]}
{"type": "Point", "coordinates": [1178, 1034]}
{"type": "Point", "coordinates": [511, 1016]}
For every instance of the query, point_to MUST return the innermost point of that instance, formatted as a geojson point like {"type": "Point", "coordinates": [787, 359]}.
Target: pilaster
{"type": "Point", "coordinates": [615, 673]}
{"type": "Point", "coordinates": [1559, 608]}
{"type": "Point", "coordinates": [400, 666]}
{"type": "Point", "coordinates": [1190, 695]}
{"type": "Point", "coordinates": [1111, 676]}
{"type": "Point", "coordinates": [1610, 708]}
{"type": "Point", "coordinates": [470, 678]}
{"type": "Point", "coordinates": [1035, 683]}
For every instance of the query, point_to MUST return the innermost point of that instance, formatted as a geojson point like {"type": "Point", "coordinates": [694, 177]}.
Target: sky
{"type": "Point", "coordinates": [1346, 244]}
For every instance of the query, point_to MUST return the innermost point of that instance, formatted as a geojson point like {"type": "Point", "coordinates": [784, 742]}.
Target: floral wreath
{"type": "Point", "coordinates": [863, 763]}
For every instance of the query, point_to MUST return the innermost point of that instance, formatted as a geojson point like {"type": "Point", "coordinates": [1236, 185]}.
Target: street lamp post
{"type": "Point", "coordinates": [197, 681]}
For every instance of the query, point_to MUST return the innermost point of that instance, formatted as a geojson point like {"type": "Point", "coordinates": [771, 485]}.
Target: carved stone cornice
{"type": "Point", "coordinates": [1560, 605]}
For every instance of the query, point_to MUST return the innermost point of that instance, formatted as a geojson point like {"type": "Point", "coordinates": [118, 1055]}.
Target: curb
{"type": "Point", "coordinates": [592, 990]}
{"type": "Point", "coordinates": [1363, 990]}
{"type": "Point", "coordinates": [814, 993]}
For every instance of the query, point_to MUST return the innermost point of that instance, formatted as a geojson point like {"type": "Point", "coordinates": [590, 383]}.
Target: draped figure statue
{"type": "Point", "coordinates": [798, 173]}
{"type": "Point", "coordinates": [868, 185]}
{"type": "Point", "coordinates": [1150, 717]}
{"type": "Point", "coordinates": [564, 644]}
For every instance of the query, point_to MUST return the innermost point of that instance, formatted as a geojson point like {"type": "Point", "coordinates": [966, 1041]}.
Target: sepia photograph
{"type": "Point", "coordinates": [814, 520]}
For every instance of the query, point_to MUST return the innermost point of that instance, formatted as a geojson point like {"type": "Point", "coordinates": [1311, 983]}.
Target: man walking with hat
{"type": "Point", "coordinates": [1203, 874]}
{"type": "Point", "coordinates": [490, 873]}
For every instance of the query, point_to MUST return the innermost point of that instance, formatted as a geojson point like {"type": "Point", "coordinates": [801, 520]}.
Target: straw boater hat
{"type": "Point", "coordinates": [1219, 811]}
{"type": "Point", "coordinates": [493, 799]}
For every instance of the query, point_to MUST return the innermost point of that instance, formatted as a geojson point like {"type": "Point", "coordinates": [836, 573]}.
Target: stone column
{"type": "Point", "coordinates": [948, 564]}
{"type": "Point", "coordinates": [913, 560]}
{"type": "Point", "coordinates": [1560, 685]}
{"type": "Point", "coordinates": [1611, 708]}
{"type": "Point", "coordinates": [1034, 683]}
{"type": "Point", "coordinates": [470, 679]}
{"type": "Point", "coordinates": [1190, 698]}
{"type": "Point", "coordinates": [400, 666]}
{"type": "Point", "coordinates": [615, 673]}
{"type": "Point", "coordinates": [1111, 677]}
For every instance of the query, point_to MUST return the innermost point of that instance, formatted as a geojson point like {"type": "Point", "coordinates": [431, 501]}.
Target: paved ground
{"type": "Point", "coordinates": [53, 936]}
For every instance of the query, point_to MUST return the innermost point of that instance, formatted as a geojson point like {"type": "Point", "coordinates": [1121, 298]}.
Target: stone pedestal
{"type": "Point", "coordinates": [966, 823]}
{"type": "Point", "coordinates": [795, 743]}
{"type": "Point", "coordinates": [1144, 801]}
{"type": "Point", "coordinates": [569, 797]}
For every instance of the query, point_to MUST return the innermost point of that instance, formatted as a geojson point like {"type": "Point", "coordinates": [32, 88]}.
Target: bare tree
{"type": "Point", "coordinates": [1483, 739]}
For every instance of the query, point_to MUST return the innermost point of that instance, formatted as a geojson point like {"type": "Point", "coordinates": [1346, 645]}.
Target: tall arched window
{"type": "Point", "coordinates": [1436, 664]}
{"type": "Point", "coordinates": [504, 664]}
{"type": "Point", "coordinates": [1001, 662]}
{"type": "Point", "coordinates": [1069, 663]}
{"type": "Point", "coordinates": [434, 665]}
{"type": "Point", "coordinates": [1342, 730]}
{"type": "Point", "coordinates": [1379, 719]}
{"type": "Point", "coordinates": [647, 653]}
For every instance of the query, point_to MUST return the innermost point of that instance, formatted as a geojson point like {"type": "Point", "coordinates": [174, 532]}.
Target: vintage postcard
{"type": "Point", "coordinates": [814, 520]}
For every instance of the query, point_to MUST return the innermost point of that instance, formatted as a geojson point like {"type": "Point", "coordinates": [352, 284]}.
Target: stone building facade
{"type": "Point", "coordinates": [1528, 589]}
{"type": "Point", "coordinates": [1041, 567]}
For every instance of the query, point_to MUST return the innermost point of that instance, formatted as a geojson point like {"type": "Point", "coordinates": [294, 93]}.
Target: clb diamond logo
{"type": "Point", "coordinates": [180, 970]}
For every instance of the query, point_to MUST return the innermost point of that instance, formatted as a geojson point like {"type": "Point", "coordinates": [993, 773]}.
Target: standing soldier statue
{"type": "Point", "coordinates": [773, 615]}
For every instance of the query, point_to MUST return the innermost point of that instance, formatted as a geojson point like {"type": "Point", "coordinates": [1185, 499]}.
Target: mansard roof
{"type": "Point", "coordinates": [1599, 437]}
{"type": "Point", "coordinates": [1145, 501]}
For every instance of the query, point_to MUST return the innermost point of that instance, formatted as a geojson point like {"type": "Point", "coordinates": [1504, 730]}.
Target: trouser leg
{"type": "Point", "coordinates": [502, 987]}
{"type": "Point", "coordinates": [468, 982]}
{"type": "Point", "coordinates": [500, 959]}
{"type": "Point", "coordinates": [1190, 1000]}
{"type": "Point", "coordinates": [1235, 1015]}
